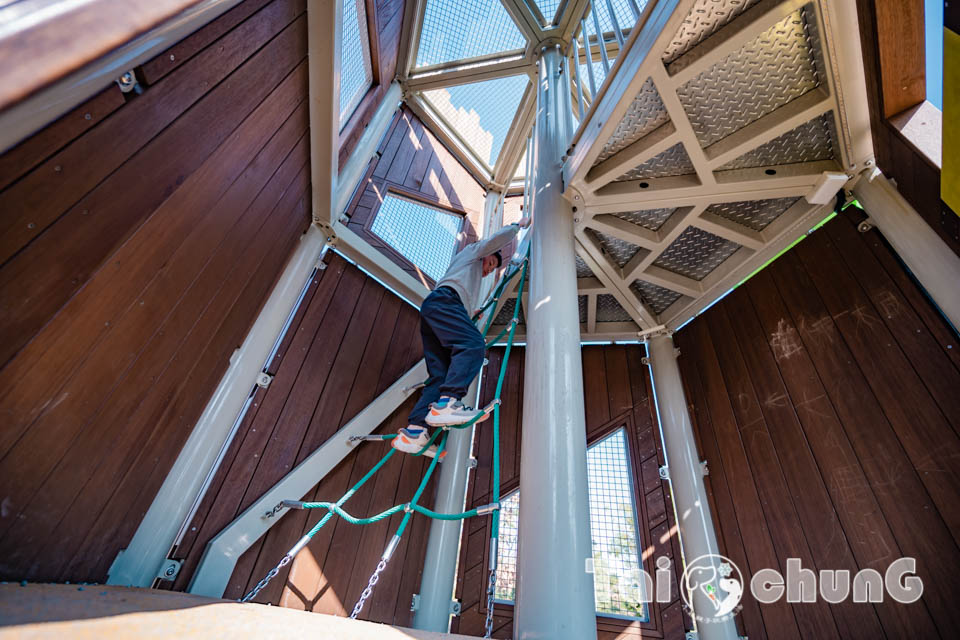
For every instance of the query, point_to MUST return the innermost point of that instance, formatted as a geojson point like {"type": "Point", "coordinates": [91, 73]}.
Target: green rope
{"type": "Point", "coordinates": [409, 508]}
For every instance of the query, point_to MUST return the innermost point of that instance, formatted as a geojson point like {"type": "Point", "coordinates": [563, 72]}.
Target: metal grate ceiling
{"type": "Point", "coordinates": [619, 250]}
{"type": "Point", "coordinates": [651, 219]}
{"type": "Point", "coordinates": [672, 162]}
{"type": "Point", "coordinates": [645, 114]}
{"type": "Point", "coordinates": [770, 71]}
{"type": "Point", "coordinates": [695, 253]}
{"type": "Point", "coordinates": [657, 298]}
{"type": "Point", "coordinates": [753, 214]}
{"type": "Point", "coordinates": [609, 310]}
{"type": "Point", "coordinates": [813, 140]}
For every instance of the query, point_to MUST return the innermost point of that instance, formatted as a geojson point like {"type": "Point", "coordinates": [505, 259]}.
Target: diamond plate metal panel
{"type": "Point", "coordinates": [655, 297]}
{"type": "Point", "coordinates": [609, 310]}
{"type": "Point", "coordinates": [506, 313]}
{"type": "Point", "coordinates": [755, 214]}
{"type": "Point", "coordinates": [706, 17]}
{"type": "Point", "coordinates": [811, 141]}
{"type": "Point", "coordinates": [775, 68]}
{"type": "Point", "coordinates": [619, 250]}
{"type": "Point", "coordinates": [582, 306]}
{"type": "Point", "coordinates": [583, 271]}
{"type": "Point", "coordinates": [672, 162]}
{"type": "Point", "coordinates": [644, 114]}
{"type": "Point", "coordinates": [695, 253]}
{"type": "Point", "coordinates": [651, 219]}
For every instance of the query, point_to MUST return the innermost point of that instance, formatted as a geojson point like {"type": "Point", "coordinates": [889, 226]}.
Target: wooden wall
{"type": "Point", "coordinates": [891, 31]}
{"type": "Point", "coordinates": [412, 162]}
{"type": "Point", "coordinates": [350, 340]}
{"type": "Point", "coordinates": [140, 237]}
{"type": "Point", "coordinates": [617, 394]}
{"type": "Point", "coordinates": [384, 26]}
{"type": "Point", "coordinates": [825, 396]}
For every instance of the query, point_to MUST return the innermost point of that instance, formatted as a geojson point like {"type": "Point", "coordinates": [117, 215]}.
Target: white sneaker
{"type": "Point", "coordinates": [450, 412]}
{"type": "Point", "coordinates": [411, 439]}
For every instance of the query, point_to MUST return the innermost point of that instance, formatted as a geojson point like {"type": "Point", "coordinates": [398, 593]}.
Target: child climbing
{"type": "Point", "coordinates": [452, 345]}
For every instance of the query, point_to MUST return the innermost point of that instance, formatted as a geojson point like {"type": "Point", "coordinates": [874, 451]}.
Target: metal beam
{"type": "Point", "coordinates": [43, 107]}
{"type": "Point", "coordinates": [934, 264]}
{"type": "Point", "coordinates": [184, 484]}
{"type": "Point", "coordinates": [612, 278]}
{"type": "Point", "coordinates": [352, 172]}
{"type": "Point", "coordinates": [652, 144]}
{"type": "Point", "coordinates": [409, 37]}
{"type": "Point", "coordinates": [554, 530]}
{"type": "Point", "coordinates": [698, 539]}
{"type": "Point", "coordinates": [429, 80]}
{"type": "Point", "coordinates": [364, 254]}
{"type": "Point", "coordinates": [222, 552]}
{"type": "Point", "coordinates": [324, 33]}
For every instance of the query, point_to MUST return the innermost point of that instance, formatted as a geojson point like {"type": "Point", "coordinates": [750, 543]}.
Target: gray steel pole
{"type": "Point", "coordinates": [934, 264]}
{"type": "Point", "coordinates": [443, 544]}
{"type": "Point", "coordinates": [554, 591]}
{"type": "Point", "coordinates": [697, 535]}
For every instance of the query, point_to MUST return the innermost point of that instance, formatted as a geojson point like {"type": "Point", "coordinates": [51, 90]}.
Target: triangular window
{"type": "Point", "coordinates": [464, 30]}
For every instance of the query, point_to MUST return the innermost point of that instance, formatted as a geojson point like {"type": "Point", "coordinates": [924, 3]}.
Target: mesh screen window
{"type": "Point", "coordinates": [466, 29]}
{"type": "Point", "coordinates": [613, 529]}
{"type": "Point", "coordinates": [356, 74]}
{"type": "Point", "coordinates": [424, 235]}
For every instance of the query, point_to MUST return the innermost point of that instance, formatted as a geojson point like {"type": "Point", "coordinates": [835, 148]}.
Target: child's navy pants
{"type": "Point", "coordinates": [452, 347]}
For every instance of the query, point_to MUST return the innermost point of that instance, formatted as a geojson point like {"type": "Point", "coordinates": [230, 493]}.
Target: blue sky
{"type": "Point", "coordinates": [933, 17]}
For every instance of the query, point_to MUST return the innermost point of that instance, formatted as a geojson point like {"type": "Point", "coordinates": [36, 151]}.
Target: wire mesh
{"type": "Point", "coordinates": [613, 529]}
{"type": "Point", "coordinates": [424, 235]}
{"type": "Point", "coordinates": [466, 29]}
{"type": "Point", "coordinates": [548, 9]}
{"type": "Point", "coordinates": [356, 74]}
{"type": "Point", "coordinates": [481, 113]}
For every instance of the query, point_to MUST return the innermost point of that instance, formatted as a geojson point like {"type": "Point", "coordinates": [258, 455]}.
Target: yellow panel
{"type": "Point", "coordinates": [950, 176]}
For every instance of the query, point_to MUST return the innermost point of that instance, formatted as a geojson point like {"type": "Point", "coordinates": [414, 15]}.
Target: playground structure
{"type": "Point", "coordinates": [667, 151]}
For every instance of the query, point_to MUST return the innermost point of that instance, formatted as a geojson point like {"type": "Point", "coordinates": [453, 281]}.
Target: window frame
{"type": "Point", "coordinates": [395, 191]}
{"type": "Point", "coordinates": [607, 622]}
{"type": "Point", "coordinates": [636, 521]}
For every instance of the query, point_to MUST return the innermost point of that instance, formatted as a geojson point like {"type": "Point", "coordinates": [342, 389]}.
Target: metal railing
{"type": "Point", "coordinates": [601, 29]}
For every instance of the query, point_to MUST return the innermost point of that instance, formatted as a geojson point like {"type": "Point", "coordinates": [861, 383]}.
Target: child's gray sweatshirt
{"type": "Point", "coordinates": [466, 269]}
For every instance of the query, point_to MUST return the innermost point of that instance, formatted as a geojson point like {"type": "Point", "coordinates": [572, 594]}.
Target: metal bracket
{"type": "Point", "coordinates": [264, 379]}
{"type": "Point", "coordinates": [645, 360]}
{"type": "Point", "coordinates": [664, 472]}
{"type": "Point", "coordinates": [128, 82]}
{"type": "Point", "coordinates": [472, 464]}
{"type": "Point", "coordinates": [455, 607]}
{"type": "Point", "coordinates": [703, 468]}
{"type": "Point", "coordinates": [415, 602]}
{"type": "Point", "coordinates": [169, 569]}
{"type": "Point", "coordinates": [865, 225]}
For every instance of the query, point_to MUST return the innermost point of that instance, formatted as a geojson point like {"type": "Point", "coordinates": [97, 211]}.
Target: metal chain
{"type": "Point", "coordinates": [277, 509]}
{"type": "Point", "coordinates": [369, 590]}
{"type": "Point", "coordinates": [491, 588]}
{"type": "Point", "coordinates": [270, 576]}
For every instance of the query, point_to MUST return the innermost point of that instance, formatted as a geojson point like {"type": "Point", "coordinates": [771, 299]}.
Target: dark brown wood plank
{"type": "Point", "coordinates": [160, 417]}
{"type": "Point", "coordinates": [28, 154]}
{"type": "Point", "coordinates": [752, 522]}
{"type": "Point", "coordinates": [803, 395]}
{"type": "Point", "coordinates": [60, 182]}
{"type": "Point", "coordinates": [913, 518]}
{"type": "Point", "coordinates": [112, 414]}
{"type": "Point", "coordinates": [900, 34]}
{"type": "Point", "coordinates": [619, 394]}
{"type": "Point", "coordinates": [94, 227]}
{"type": "Point", "coordinates": [156, 68]}
{"type": "Point", "coordinates": [930, 442]}
{"type": "Point", "coordinates": [727, 527]}
{"type": "Point", "coordinates": [939, 375]}
{"type": "Point", "coordinates": [596, 405]}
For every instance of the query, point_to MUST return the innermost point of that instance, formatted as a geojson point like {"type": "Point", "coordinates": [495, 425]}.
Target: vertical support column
{"type": "Point", "coordinates": [324, 36]}
{"type": "Point", "coordinates": [554, 591]}
{"type": "Point", "coordinates": [443, 545]}
{"type": "Point", "coordinates": [697, 535]}
{"type": "Point", "coordinates": [934, 264]}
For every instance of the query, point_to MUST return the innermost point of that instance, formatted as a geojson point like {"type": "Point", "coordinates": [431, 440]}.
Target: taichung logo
{"type": "Point", "coordinates": [713, 588]}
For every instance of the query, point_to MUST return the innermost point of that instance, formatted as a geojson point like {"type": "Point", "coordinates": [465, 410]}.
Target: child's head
{"type": "Point", "coordinates": [491, 263]}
